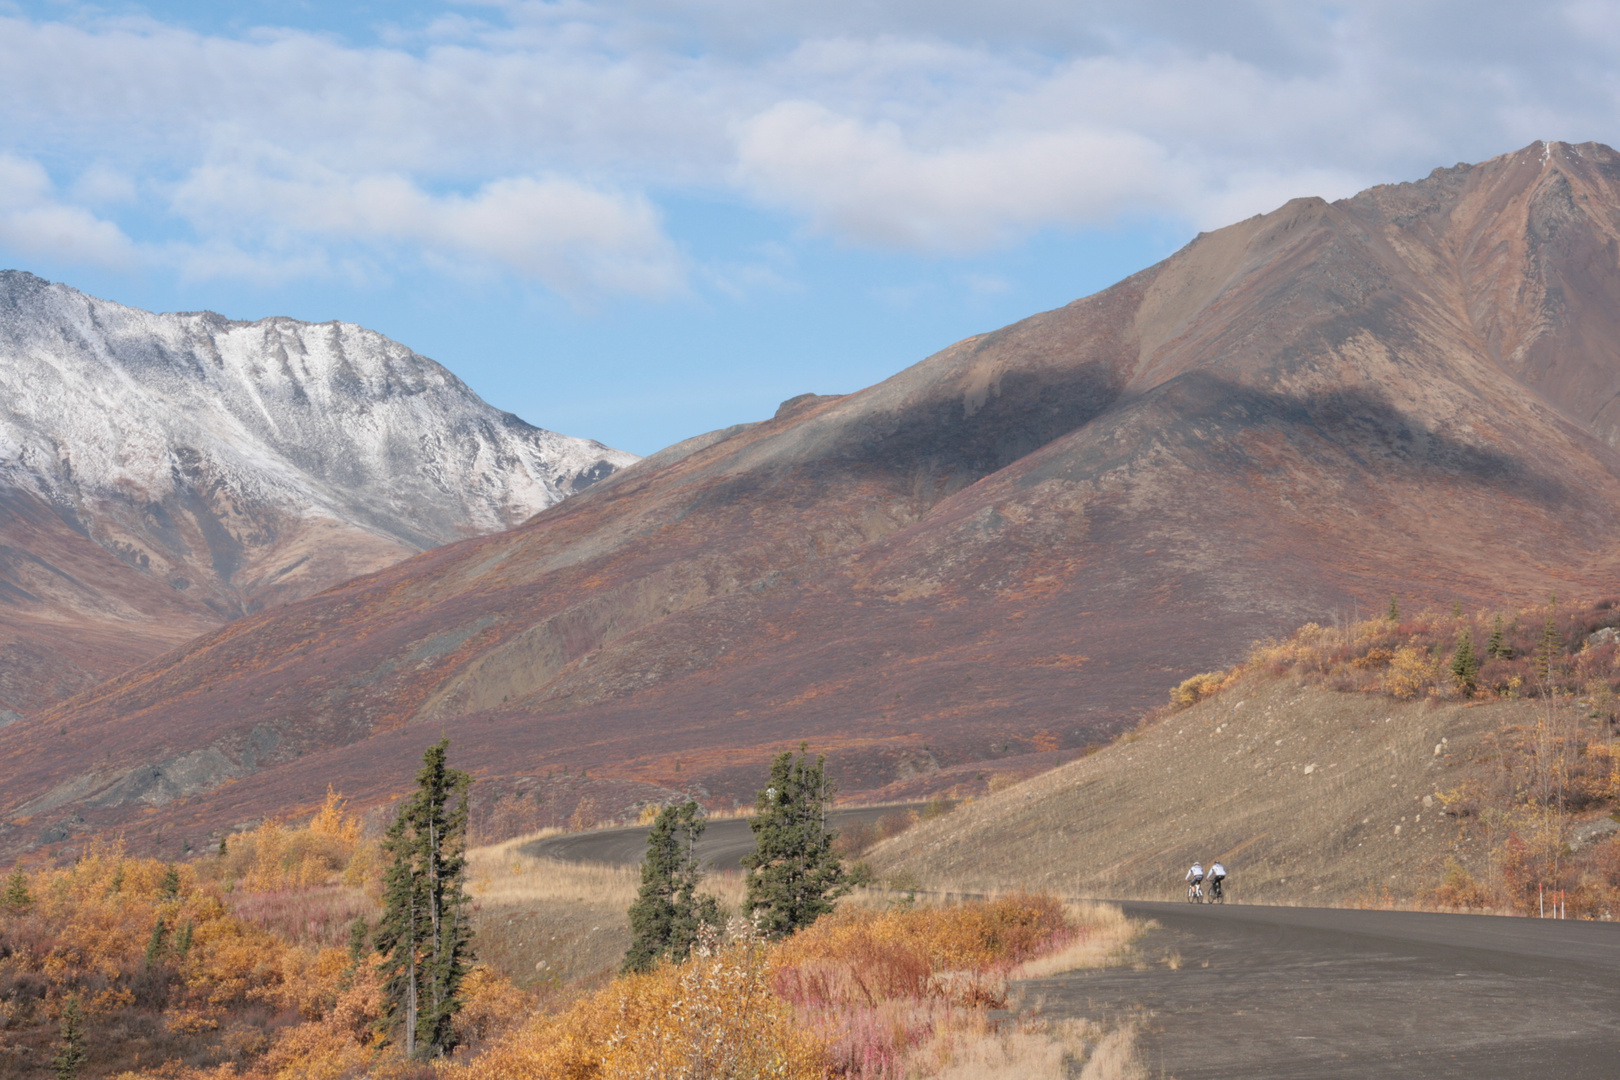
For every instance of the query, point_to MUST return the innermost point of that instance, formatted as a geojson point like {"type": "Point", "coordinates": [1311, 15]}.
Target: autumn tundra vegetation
{"type": "Point", "coordinates": [314, 951]}
{"type": "Point", "coordinates": [311, 952]}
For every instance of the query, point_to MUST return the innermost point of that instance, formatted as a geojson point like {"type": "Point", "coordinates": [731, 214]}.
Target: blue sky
{"type": "Point", "coordinates": [637, 220]}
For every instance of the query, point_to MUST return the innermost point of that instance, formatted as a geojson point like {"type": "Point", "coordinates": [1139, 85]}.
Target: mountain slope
{"type": "Point", "coordinates": [985, 563]}
{"type": "Point", "coordinates": [1306, 795]}
{"type": "Point", "coordinates": [163, 473]}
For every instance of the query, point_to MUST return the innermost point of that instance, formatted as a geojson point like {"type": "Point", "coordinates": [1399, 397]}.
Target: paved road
{"type": "Point", "coordinates": [1277, 993]}
{"type": "Point", "coordinates": [1273, 993]}
{"type": "Point", "coordinates": [723, 846]}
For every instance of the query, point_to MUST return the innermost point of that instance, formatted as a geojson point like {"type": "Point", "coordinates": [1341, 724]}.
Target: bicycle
{"type": "Point", "coordinates": [1217, 892]}
{"type": "Point", "coordinates": [1195, 893]}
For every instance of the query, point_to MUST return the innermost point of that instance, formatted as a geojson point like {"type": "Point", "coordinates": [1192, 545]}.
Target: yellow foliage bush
{"type": "Point", "coordinates": [1412, 671]}
{"type": "Point", "coordinates": [714, 1017]}
{"type": "Point", "coordinates": [1196, 689]}
{"type": "Point", "coordinates": [1459, 889]}
{"type": "Point", "coordinates": [275, 857]}
{"type": "Point", "coordinates": [222, 951]}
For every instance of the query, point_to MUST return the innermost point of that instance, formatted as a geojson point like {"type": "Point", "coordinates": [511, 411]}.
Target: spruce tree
{"type": "Point", "coordinates": [665, 918]}
{"type": "Point", "coordinates": [17, 896]}
{"type": "Point", "coordinates": [1548, 652]}
{"type": "Point", "coordinates": [1465, 665]}
{"type": "Point", "coordinates": [70, 1052]}
{"type": "Point", "coordinates": [424, 935]}
{"type": "Point", "coordinates": [1496, 648]}
{"type": "Point", "coordinates": [794, 876]}
{"type": "Point", "coordinates": [359, 940]}
{"type": "Point", "coordinates": [169, 886]}
{"type": "Point", "coordinates": [1394, 613]}
{"type": "Point", "coordinates": [157, 944]}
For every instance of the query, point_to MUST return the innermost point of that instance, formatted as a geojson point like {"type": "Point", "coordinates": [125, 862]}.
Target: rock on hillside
{"type": "Point", "coordinates": [160, 474]}
{"type": "Point", "coordinates": [1000, 554]}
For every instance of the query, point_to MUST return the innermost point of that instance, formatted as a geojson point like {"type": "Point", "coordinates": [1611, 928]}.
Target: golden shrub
{"type": "Point", "coordinates": [1459, 889]}
{"type": "Point", "coordinates": [114, 930]}
{"type": "Point", "coordinates": [714, 1017]}
{"type": "Point", "coordinates": [1412, 671]}
{"type": "Point", "coordinates": [493, 1003]}
{"type": "Point", "coordinates": [1196, 689]}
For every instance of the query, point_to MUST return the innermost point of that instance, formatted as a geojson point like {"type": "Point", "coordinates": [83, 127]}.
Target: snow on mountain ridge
{"type": "Point", "coordinates": [106, 401]}
{"type": "Point", "coordinates": [160, 474]}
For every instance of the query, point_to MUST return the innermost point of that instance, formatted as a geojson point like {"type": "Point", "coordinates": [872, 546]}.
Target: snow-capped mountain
{"type": "Point", "coordinates": [238, 464]}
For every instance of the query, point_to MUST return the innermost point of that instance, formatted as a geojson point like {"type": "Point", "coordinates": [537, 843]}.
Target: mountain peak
{"type": "Point", "coordinates": [205, 455]}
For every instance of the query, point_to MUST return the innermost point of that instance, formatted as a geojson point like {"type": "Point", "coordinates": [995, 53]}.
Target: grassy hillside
{"type": "Point", "coordinates": [1340, 766]}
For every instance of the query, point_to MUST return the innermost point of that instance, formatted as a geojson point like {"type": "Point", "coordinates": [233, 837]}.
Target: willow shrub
{"type": "Point", "coordinates": [715, 1017]}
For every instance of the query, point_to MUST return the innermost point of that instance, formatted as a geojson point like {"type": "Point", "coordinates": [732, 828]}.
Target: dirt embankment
{"type": "Point", "coordinates": [1307, 795]}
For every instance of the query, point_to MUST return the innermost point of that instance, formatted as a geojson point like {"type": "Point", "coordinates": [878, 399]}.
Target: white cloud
{"type": "Point", "coordinates": [578, 240]}
{"type": "Point", "coordinates": [35, 223]}
{"type": "Point", "coordinates": [532, 137]}
{"type": "Point", "coordinates": [865, 181]}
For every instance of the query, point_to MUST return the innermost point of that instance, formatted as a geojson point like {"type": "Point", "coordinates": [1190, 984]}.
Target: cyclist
{"type": "Point", "coordinates": [1217, 874]}
{"type": "Point", "coordinates": [1195, 879]}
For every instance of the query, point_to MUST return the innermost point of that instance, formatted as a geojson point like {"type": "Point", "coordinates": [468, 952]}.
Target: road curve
{"type": "Point", "coordinates": [722, 847]}
{"type": "Point", "coordinates": [1281, 993]}
{"type": "Point", "coordinates": [1276, 993]}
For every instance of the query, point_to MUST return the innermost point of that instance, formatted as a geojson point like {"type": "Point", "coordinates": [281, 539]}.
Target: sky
{"type": "Point", "coordinates": [638, 220]}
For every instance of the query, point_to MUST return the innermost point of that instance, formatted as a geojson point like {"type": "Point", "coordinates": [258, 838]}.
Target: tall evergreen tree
{"type": "Point", "coordinates": [665, 918]}
{"type": "Point", "coordinates": [157, 945]}
{"type": "Point", "coordinates": [424, 934]}
{"type": "Point", "coordinates": [1465, 664]}
{"type": "Point", "coordinates": [1549, 651]}
{"type": "Point", "coordinates": [17, 896]}
{"type": "Point", "coordinates": [1496, 647]}
{"type": "Point", "coordinates": [1394, 613]}
{"type": "Point", "coordinates": [70, 1052]}
{"type": "Point", "coordinates": [169, 887]}
{"type": "Point", "coordinates": [794, 876]}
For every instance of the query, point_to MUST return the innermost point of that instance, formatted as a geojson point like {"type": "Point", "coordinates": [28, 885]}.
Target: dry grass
{"type": "Point", "coordinates": [503, 874]}
{"type": "Point", "coordinates": [1033, 1049]}
{"type": "Point", "coordinates": [319, 915]}
{"type": "Point", "coordinates": [559, 926]}
{"type": "Point", "coordinates": [1106, 940]}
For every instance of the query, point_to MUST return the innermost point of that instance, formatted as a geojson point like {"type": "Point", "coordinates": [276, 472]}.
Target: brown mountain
{"type": "Point", "coordinates": [988, 562]}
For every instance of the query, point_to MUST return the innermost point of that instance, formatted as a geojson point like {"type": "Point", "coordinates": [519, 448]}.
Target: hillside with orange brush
{"type": "Point", "coordinates": [983, 565]}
